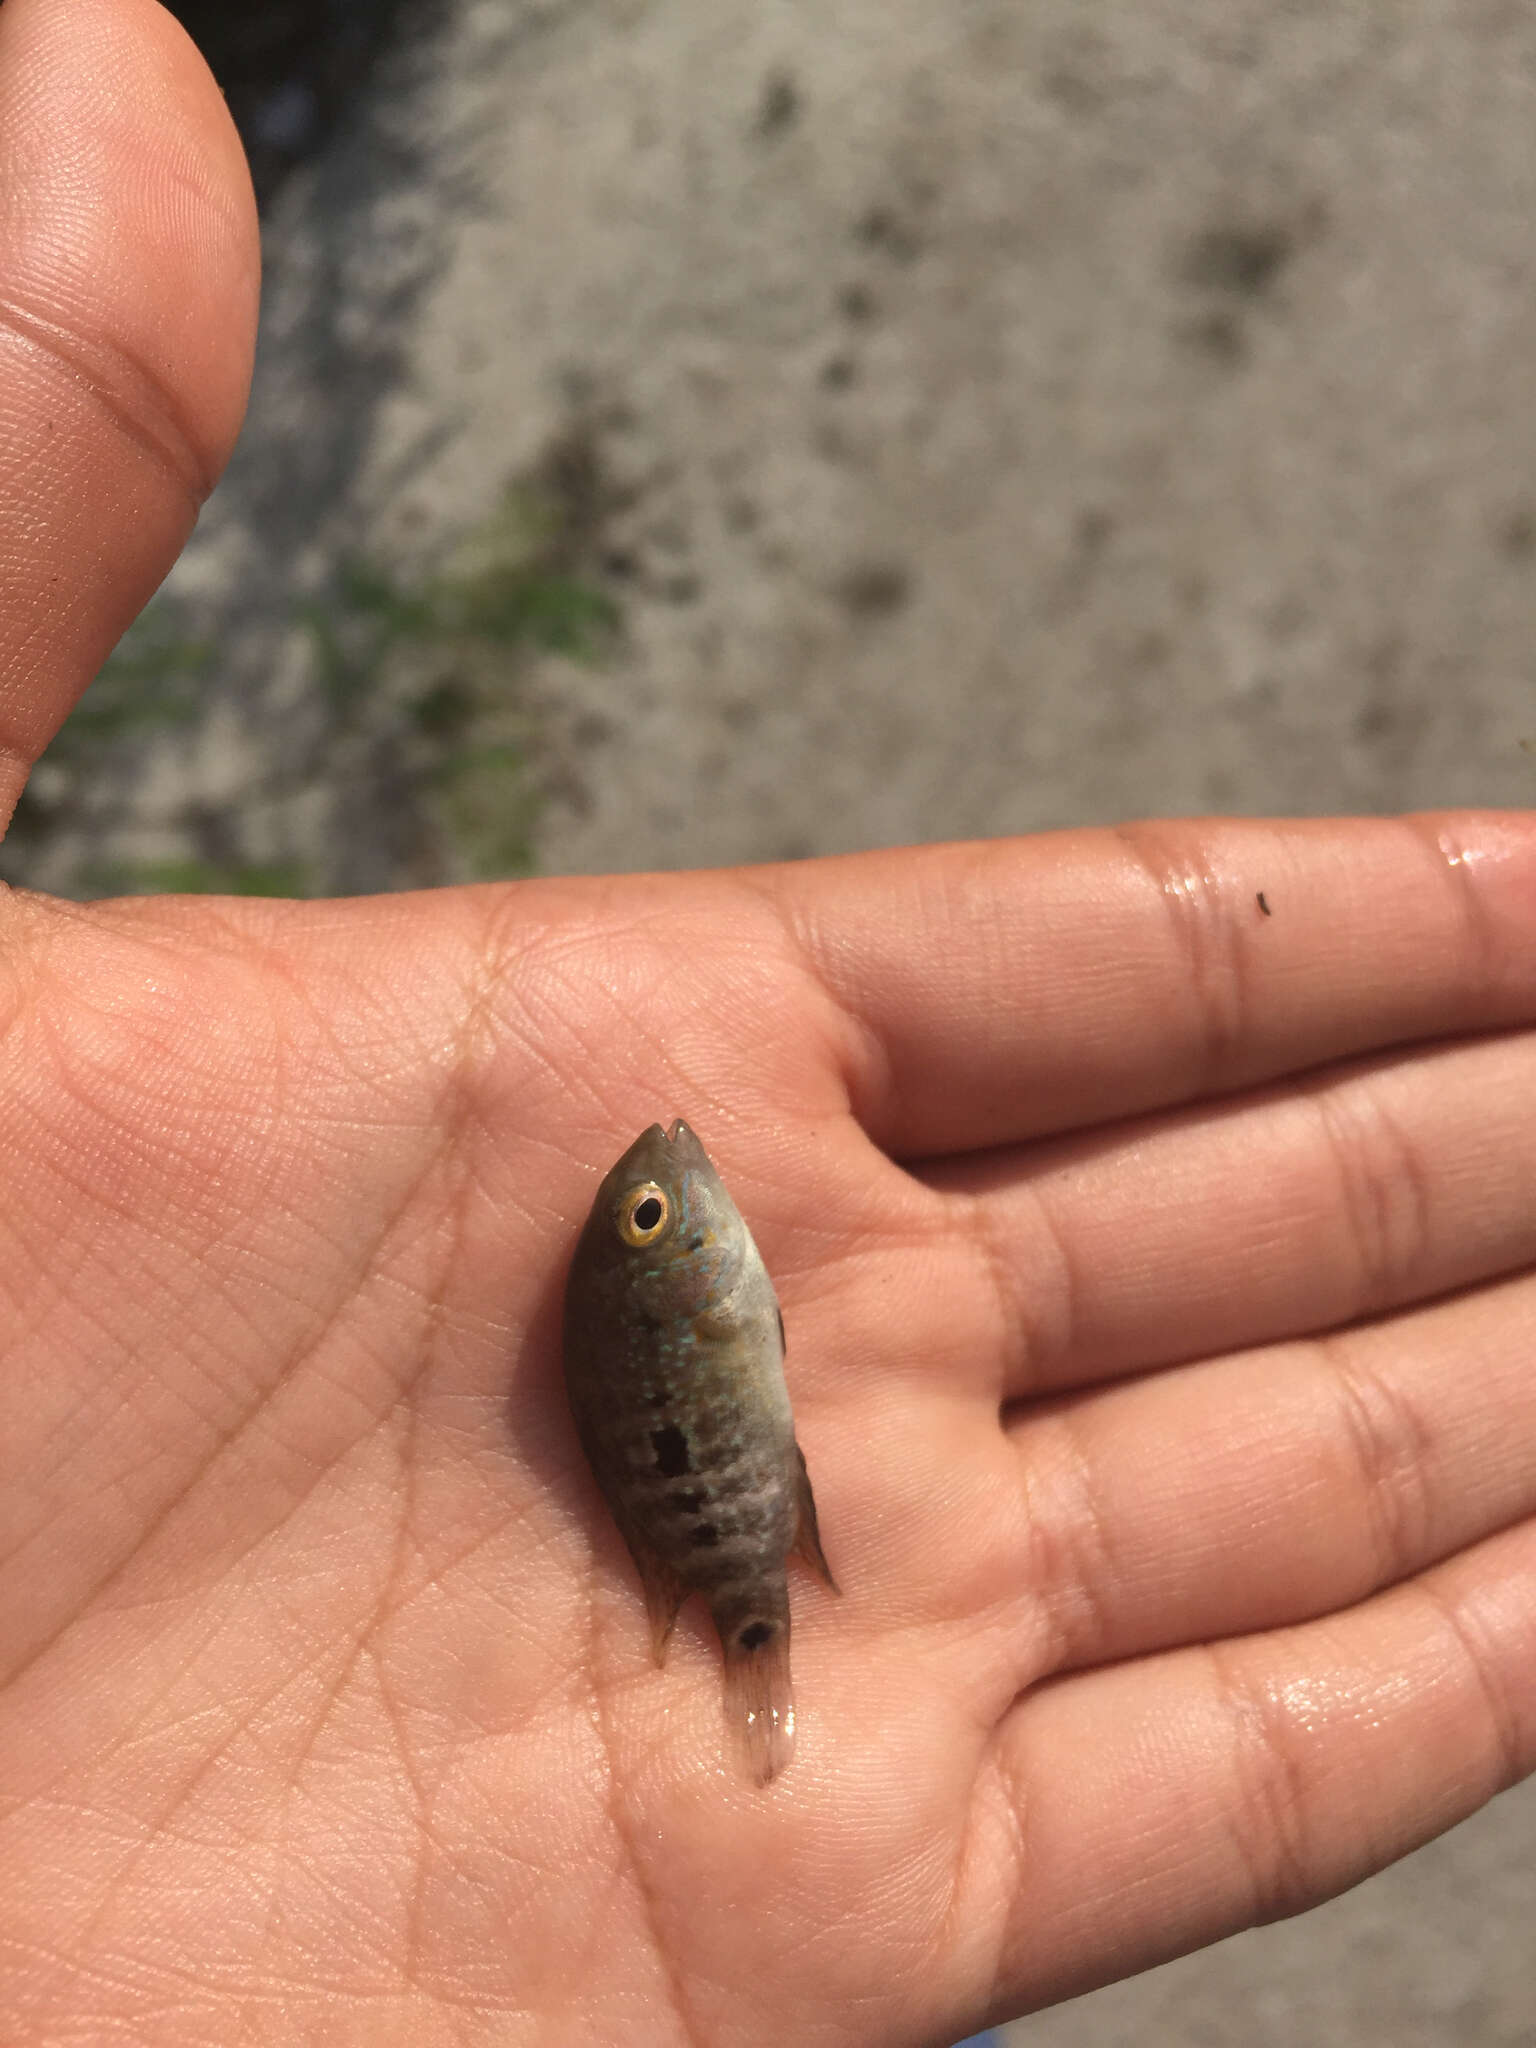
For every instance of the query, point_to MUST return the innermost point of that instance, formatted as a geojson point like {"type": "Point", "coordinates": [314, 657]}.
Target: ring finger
{"type": "Point", "coordinates": [1265, 1489]}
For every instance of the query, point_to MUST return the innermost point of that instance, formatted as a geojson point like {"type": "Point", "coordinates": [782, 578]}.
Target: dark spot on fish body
{"type": "Point", "coordinates": [755, 1634]}
{"type": "Point", "coordinates": [671, 1448]}
{"type": "Point", "coordinates": [703, 1534]}
{"type": "Point", "coordinates": [687, 1502]}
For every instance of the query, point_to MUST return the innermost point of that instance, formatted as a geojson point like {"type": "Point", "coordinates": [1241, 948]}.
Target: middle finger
{"type": "Point", "coordinates": [1261, 1490]}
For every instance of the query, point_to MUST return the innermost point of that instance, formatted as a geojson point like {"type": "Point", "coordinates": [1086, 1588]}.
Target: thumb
{"type": "Point", "coordinates": [129, 267]}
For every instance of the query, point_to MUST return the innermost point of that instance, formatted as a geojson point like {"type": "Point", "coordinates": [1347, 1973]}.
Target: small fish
{"type": "Point", "coordinates": [674, 1363]}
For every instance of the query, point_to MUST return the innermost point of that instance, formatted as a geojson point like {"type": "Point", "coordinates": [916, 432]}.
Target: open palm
{"type": "Point", "coordinates": [1156, 1268]}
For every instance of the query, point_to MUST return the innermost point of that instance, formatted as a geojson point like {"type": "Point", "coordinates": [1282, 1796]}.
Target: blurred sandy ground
{"type": "Point", "coordinates": [995, 417]}
{"type": "Point", "coordinates": [989, 417]}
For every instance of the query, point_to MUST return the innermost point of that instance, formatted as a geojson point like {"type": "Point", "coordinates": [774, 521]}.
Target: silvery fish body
{"type": "Point", "coordinates": [674, 1350]}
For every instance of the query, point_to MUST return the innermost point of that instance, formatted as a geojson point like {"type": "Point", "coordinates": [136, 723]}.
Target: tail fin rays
{"type": "Point", "coordinates": [759, 1699]}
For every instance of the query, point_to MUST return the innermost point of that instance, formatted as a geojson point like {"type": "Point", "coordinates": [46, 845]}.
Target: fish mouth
{"type": "Point", "coordinates": [684, 1152]}
{"type": "Point", "coordinates": [658, 1150]}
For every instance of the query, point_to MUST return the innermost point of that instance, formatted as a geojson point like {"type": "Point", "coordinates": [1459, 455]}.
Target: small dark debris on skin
{"type": "Point", "coordinates": [1263, 903]}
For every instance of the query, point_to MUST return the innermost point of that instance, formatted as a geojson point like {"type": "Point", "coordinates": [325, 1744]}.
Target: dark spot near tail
{"type": "Point", "coordinates": [687, 1502]}
{"type": "Point", "coordinates": [755, 1634]}
{"type": "Point", "coordinates": [671, 1448]}
{"type": "Point", "coordinates": [704, 1534]}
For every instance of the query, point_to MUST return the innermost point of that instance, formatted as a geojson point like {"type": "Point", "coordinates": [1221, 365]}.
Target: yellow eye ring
{"type": "Point", "coordinates": [643, 1213]}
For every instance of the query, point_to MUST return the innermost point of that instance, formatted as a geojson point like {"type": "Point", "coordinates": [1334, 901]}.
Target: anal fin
{"type": "Point", "coordinates": [807, 1543]}
{"type": "Point", "coordinates": [664, 1595]}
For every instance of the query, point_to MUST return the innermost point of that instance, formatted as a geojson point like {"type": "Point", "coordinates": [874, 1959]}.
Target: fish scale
{"type": "Point", "coordinates": [674, 1350]}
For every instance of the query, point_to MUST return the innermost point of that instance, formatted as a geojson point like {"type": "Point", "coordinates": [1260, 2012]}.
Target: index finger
{"type": "Point", "coordinates": [1004, 990]}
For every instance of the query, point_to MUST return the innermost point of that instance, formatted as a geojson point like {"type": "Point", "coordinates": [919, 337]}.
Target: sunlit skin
{"type": "Point", "coordinates": [1157, 1276]}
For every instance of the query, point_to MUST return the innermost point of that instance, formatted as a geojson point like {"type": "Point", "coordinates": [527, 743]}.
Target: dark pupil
{"type": "Point", "coordinates": [647, 1214]}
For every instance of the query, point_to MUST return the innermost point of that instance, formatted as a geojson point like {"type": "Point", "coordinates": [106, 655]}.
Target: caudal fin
{"type": "Point", "coordinates": [759, 1700]}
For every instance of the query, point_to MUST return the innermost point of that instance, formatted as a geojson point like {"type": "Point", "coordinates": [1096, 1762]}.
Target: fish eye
{"type": "Point", "coordinates": [643, 1214]}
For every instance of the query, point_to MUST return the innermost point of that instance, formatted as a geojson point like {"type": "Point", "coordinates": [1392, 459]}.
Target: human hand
{"type": "Point", "coordinates": [1157, 1280]}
